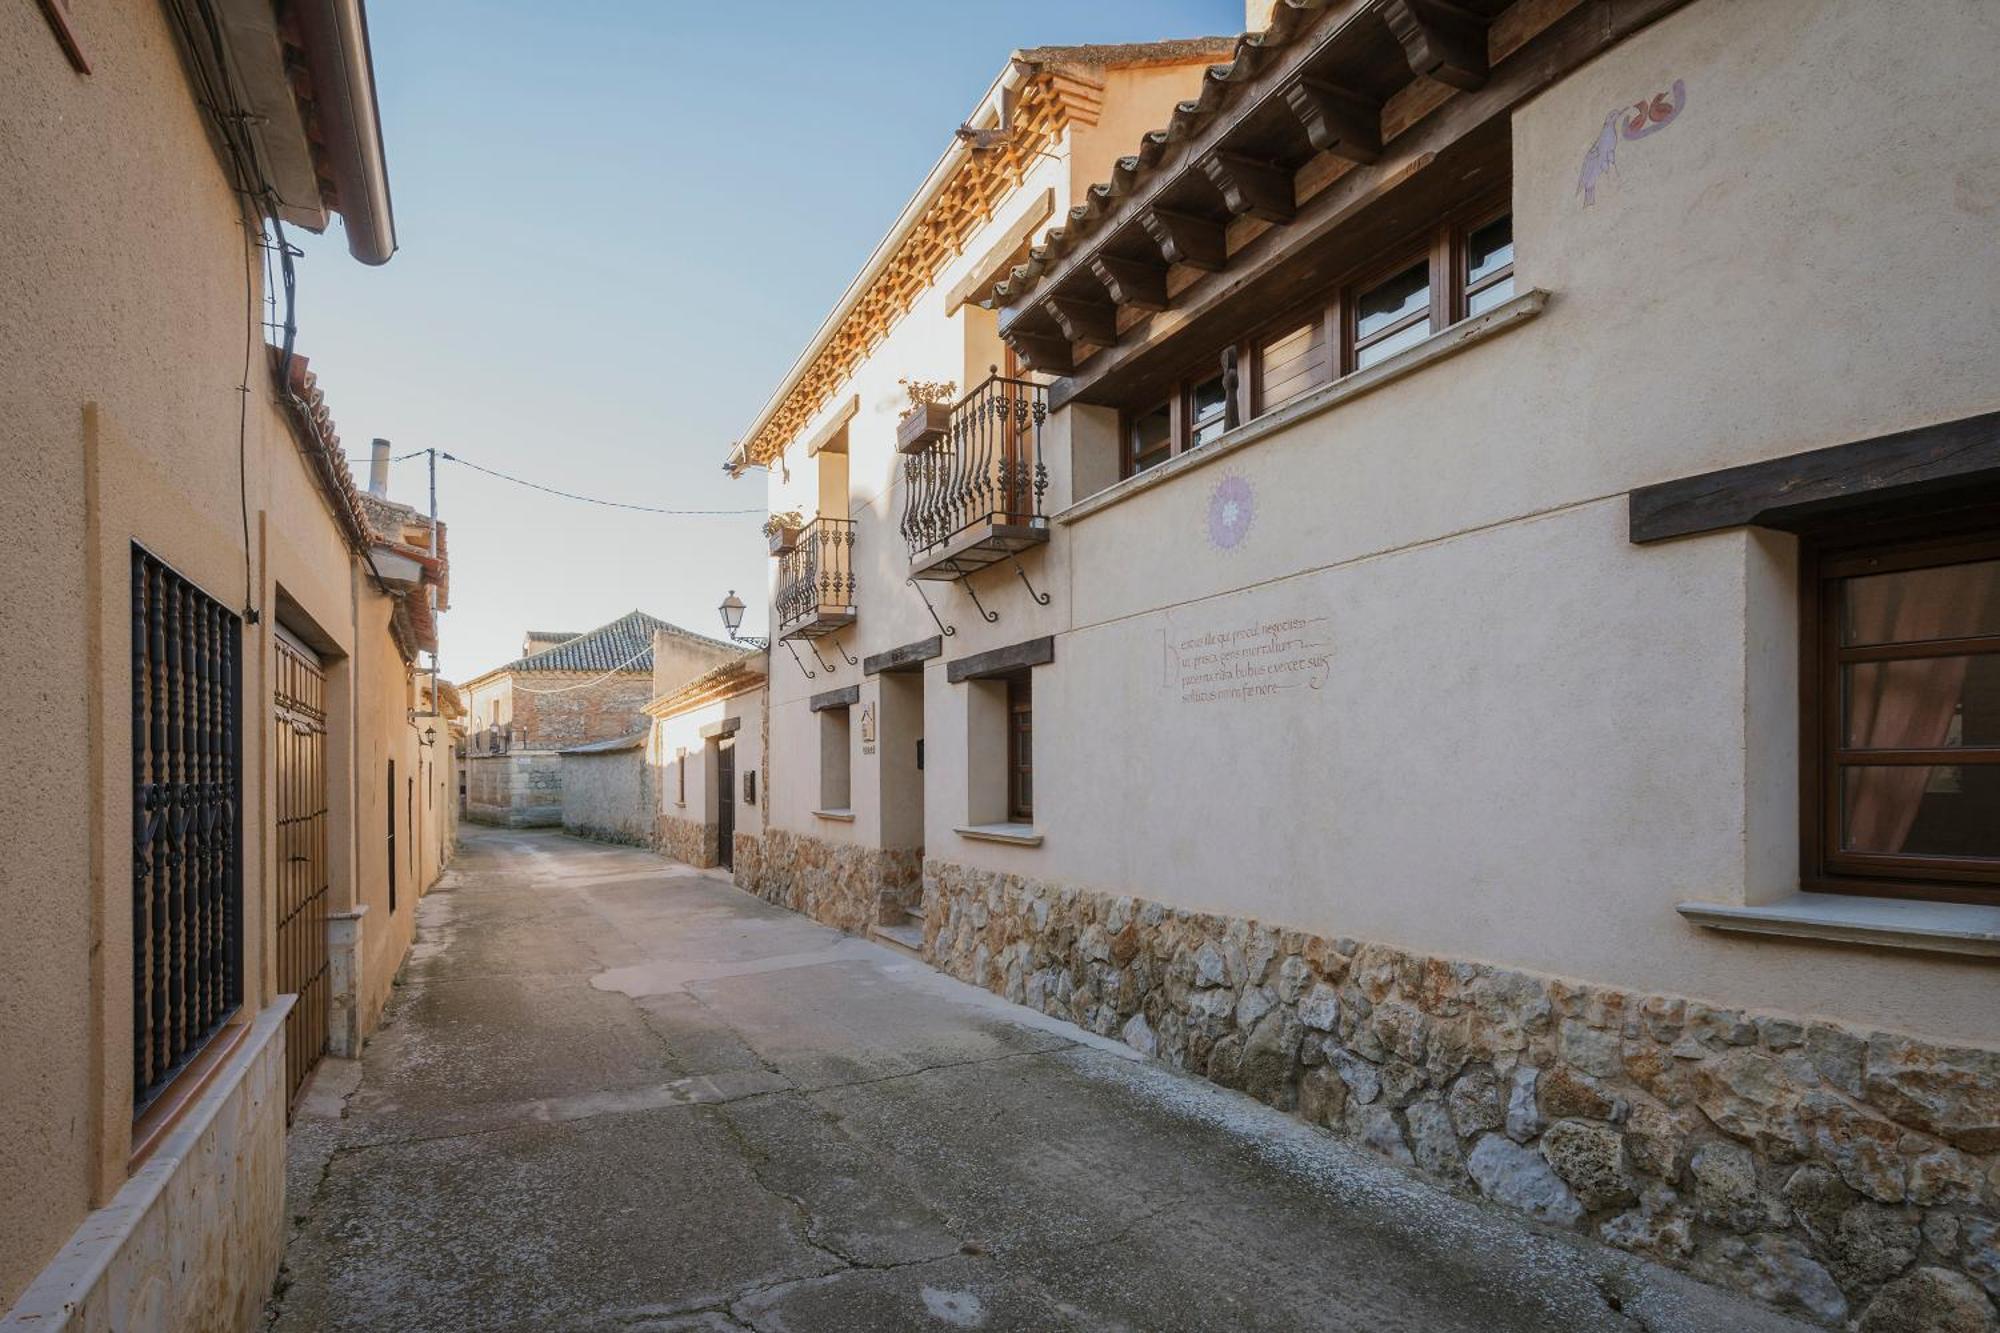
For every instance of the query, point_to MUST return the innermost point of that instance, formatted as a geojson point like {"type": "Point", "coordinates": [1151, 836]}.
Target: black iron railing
{"type": "Point", "coordinates": [985, 471]}
{"type": "Point", "coordinates": [187, 788]}
{"type": "Point", "coordinates": [816, 578]}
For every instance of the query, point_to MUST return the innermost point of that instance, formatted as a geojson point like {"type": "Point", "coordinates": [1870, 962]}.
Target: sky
{"type": "Point", "coordinates": [619, 222]}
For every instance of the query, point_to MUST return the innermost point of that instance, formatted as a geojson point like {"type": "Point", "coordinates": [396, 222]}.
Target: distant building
{"type": "Point", "coordinates": [564, 692]}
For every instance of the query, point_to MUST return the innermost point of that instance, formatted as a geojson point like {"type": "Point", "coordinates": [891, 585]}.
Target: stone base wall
{"type": "Point", "coordinates": [747, 864]}
{"type": "Point", "coordinates": [193, 1239]}
{"type": "Point", "coordinates": [1826, 1171]}
{"type": "Point", "coordinates": [838, 884]}
{"type": "Point", "coordinates": [689, 840]}
{"type": "Point", "coordinates": [518, 790]}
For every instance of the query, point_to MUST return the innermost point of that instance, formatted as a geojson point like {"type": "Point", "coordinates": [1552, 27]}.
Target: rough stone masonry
{"type": "Point", "coordinates": [1843, 1175]}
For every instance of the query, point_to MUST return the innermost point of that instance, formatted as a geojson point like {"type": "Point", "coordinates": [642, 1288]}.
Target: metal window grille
{"type": "Point", "coordinates": [187, 786]}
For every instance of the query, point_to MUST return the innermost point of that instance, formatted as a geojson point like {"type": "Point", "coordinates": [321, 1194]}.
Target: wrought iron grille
{"type": "Point", "coordinates": [187, 786]}
{"type": "Point", "coordinates": [816, 577]}
{"type": "Point", "coordinates": [299, 767]}
{"type": "Point", "coordinates": [986, 470]}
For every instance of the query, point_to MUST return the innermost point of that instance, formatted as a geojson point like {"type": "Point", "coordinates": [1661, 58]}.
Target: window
{"type": "Point", "coordinates": [187, 801]}
{"type": "Point", "coordinates": [1461, 266]}
{"type": "Point", "coordinates": [1393, 314]}
{"type": "Point", "coordinates": [1901, 718]}
{"type": "Point", "coordinates": [1020, 750]}
{"type": "Point", "coordinates": [835, 768]}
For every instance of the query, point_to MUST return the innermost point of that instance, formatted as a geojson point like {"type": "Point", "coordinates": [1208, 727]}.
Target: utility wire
{"type": "Point", "coordinates": [591, 499]}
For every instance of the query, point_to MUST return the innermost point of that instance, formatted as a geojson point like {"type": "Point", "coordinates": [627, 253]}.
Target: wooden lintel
{"type": "Point", "coordinates": [846, 696]}
{"type": "Point", "coordinates": [1134, 282]}
{"type": "Point", "coordinates": [1001, 661]}
{"type": "Point", "coordinates": [1252, 187]}
{"type": "Point", "coordinates": [1186, 239]}
{"type": "Point", "coordinates": [1337, 120]}
{"type": "Point", "coordinates": [1084, 320]}
{"type": "Point", "coordinates": [910, 657]}
{"type": "Point", "coordinates": [1934, 466]}
{"type": "Point", "coordinates": [1049, 353]}
{"type": "Point", "coordinates": [1440, 40]}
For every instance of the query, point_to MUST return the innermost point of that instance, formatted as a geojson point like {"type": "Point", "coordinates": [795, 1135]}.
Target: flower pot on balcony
{"type": "Point", "coordinates": [783, 538]}
{"type": "Point", "coordinates": [926, 424]}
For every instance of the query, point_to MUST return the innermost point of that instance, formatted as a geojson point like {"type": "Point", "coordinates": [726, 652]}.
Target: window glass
{"type": "Point", "coordinates": [1911, 605]}
{"type": "Point", "coordinates": [1489, 250]}
{"type": "Point", "coordinates": [1921, 810]}
{"type": "Point", "coordinates": [1490, 295]}
{"type": "Point", "coordinates": [1397, 298]}
{"type": "Point", "coordinates": [1208, 408]}
{"type": "Point", "coordinates": [1394, 343]}
{"type": "Point", "coordinates": [1152, 438]}
{"type": "Point", "coordinates": [1922, 703]}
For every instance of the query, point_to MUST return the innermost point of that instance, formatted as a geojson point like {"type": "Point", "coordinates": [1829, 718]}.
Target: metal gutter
{"type": "Point", "coordinates": [343, 72]}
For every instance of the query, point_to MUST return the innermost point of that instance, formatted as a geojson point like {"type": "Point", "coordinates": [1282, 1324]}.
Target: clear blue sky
{"type": "Point", "coordinates": [619, 224]}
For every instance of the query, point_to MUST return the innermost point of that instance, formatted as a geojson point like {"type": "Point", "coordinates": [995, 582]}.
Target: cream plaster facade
{"type": "Point", "coordinates": [1508, 737]}
{"type": "Point", "coordinates": [120, 363]}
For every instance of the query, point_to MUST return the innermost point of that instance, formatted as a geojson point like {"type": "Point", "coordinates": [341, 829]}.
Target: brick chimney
{"type": "Point", "coordinates": [378, 469]}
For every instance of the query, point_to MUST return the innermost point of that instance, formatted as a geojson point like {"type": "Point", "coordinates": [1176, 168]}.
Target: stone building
{"type": "Point", "coordinates": [1470, 613]}
{"type": "Point", "coordinates": [562, 692]}
{"type": "Point", "coordinates": [237, 793]}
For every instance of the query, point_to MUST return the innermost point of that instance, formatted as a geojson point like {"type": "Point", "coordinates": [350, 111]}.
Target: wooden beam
{"type": "Point", "coordinates": [845, 697]}
{"type": "Point", "coordinates": [1440, 40]}
{"type": "Point", "coordinates": [1001, 661]}
{"type": "Point", "coordinates": [1338, 121]}
{"type": "Point", "coordinates": [1186, 239]}
{"type": "Point", "coordinates": [1268, 269]}
{"type": "Point", "coordinates": [1134, 282]}
{"type": "Point", "coordinates": [1049, 353]}
{"type": "Point", "coordinates": [1084, 320]}
{"type": "Point", "coordinates": [910, 656]}
{"type": "Point", "coordinates": [1947, 461]}
{"type": "Point", "coordinates": [1251, 186]}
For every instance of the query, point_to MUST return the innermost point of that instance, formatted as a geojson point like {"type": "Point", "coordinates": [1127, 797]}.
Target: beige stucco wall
{"type": "Point", "coordinates": [119, 365]}
{"type": "Point", "coordinates": [681, 731]}
{"type": "Point", "coordinates": [1530, 739]}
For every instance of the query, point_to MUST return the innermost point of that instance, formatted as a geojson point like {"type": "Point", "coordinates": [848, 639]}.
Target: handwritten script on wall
{"type": "Point", "coordinates": [1260, 659]}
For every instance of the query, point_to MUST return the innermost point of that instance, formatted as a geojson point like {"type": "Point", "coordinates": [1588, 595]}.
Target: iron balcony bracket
{"type": "Point", "coordinates": [990, 616]}
{"type": "Point", "coordinates": [851, 661]}
{"type": "Point", "coordinates": [944, 629]}
{"type": "Point", "coordinates": [810, 673]}
{"type": "Point", "coordinates": [1041, 598]}
{"type": "Point", "coordinates": [825, 665]}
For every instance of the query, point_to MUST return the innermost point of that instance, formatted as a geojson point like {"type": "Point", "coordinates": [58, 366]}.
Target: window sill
{"type": "Point", "coordinates": [1019, 835]}
{"type": "Point", "coordinates": [1445, 343]}
{"type": "Point", "coordinates": [841, 816]}
{"type": "Point", "coordinates": [1890, 923]}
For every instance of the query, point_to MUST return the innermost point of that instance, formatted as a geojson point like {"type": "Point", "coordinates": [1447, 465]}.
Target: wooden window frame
{"type": "Point", "coordinates": [1020, 704]}
{"type": "Point", "coordinates": [1823, 563]}
{"type": "Point", "coordinates": [1442, 245]}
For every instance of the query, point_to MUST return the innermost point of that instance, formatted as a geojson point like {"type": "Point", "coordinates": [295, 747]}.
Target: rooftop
{"type": "Point", "coordinates": [625, 646]}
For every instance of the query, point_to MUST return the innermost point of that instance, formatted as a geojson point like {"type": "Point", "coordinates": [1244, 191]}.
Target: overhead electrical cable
{"type": "Point", "coordinates": [591, 499]}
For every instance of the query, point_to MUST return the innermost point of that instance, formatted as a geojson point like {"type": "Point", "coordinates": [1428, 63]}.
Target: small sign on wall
{"type": "Point", "coordinates": [868, 729]}
{"type": "Point", "coordinates": [749, 786]}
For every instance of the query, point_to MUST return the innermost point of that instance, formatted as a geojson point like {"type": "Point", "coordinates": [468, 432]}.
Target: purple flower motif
{"type": "Point", "coordinates": [1230, 510]}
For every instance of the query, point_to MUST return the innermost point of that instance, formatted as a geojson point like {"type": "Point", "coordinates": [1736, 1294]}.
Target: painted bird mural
{"type": "Point", "coordinates": [1602, 158]}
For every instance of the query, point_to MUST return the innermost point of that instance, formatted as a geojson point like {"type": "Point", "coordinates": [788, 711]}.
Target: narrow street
{"type": "Point", "coordinates": [616, 1092]}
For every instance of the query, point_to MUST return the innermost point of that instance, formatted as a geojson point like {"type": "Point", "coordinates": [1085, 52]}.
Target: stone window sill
{"type": "Point", "coordinates": [1889, 923]}
{"type": "Point", "coordinates": [1445, 343]}
{"type": "Point", "coordinates": [843, 816]}
{"type": "Point", "coordinates": [1019, 835]}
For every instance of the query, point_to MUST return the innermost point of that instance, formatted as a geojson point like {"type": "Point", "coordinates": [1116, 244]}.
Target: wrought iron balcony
{"type": "Point", "coordinates": [816, 581]}
{"type": "Point", "coordinates": [972, 494]}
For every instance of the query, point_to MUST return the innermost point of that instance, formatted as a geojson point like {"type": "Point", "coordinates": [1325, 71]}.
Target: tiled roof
{"type": "Point", "coordinates": [612, 746]}
{"type": "Point", "coordinates": [553, 636]}
{"type": "Point", "coordinates": [624, 645]}
{"type": "Point", "coordinates": [732, 677]}
{"type": "Point", "coordinates": [1253, 51]}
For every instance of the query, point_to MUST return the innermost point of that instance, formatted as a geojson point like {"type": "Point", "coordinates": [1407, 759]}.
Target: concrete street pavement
{"type": "Point", "coordinates": [614, 1092]}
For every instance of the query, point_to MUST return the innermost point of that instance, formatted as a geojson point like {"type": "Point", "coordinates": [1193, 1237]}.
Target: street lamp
{"type": "Point", "coordinates": [732, 620]}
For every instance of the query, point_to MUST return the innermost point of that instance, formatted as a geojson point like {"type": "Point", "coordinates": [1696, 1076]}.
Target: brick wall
{"type": "Point", "coordinates": [596, 710]}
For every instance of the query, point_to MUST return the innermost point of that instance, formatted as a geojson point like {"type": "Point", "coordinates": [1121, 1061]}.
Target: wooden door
{"type": "Point", "coordinates": [725, 802]}
{"type": "Point", "coordinates": [300, 764]}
